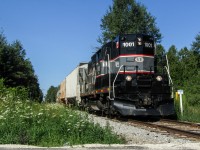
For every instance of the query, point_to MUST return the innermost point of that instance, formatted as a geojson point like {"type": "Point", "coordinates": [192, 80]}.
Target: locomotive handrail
{"type": "Point", "coordinates": [109, 74]}
{"type": "Point", "coordinates": [170, 79]}
{"type": "Point", "coordinates": [167, 68]}
{"type": "Point", "coordinates": [115, 80]}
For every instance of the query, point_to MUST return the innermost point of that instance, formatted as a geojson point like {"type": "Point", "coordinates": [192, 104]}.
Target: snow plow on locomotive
{"type": "Point", "coordinates": [125, 77]}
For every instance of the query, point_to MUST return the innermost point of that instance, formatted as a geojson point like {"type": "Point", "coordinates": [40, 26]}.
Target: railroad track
{"type": "Point", "coordinates": [180, 129]}
{"type": "Point", "coordinates": [175, 128]}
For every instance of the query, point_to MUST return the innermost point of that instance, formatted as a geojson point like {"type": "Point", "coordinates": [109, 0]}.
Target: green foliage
{"type": "Point", "coordinates": [192, 88]}
{"type": "Point", "coordinates": [196, 44]}
{"type": "Point", "coordinates": [174, 64]}
{"type": "Point", "coordinates": [127, 16]}
{"type": "Point", "coordinates": [160, 50]}
{"type": "Point", "coordinates": [196, 50]}
{"type": "Point", "coordinates": [27, 122]}
{"type": "Point", "coordinates": [18, 93]}
{"type": "Point", "coordinates": [191, 113]}
{"type": "Point", "coordinates": [186, 62]}
{"type": "Point", "coordinates": [51, 94]}
{"type": "Point", "coordinates": [2, 89]}
{"type": "Point", "coordinates": [16, 69]}
{"type": "Point", "coordinates": [185, 73]}
{"type": "Point", "coordinates": [159, 58]}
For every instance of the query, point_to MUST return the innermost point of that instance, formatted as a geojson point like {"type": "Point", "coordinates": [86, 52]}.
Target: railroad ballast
{"type": "Point", "coordinates": [125, 76]}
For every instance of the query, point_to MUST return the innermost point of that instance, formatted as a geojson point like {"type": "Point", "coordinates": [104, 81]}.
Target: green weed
{"type": "Point", "coordinates": [26, 122]}
{"type": "Point", "coordinates": [190, 112]}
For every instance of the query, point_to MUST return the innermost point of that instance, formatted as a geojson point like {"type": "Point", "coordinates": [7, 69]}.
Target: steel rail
{"type": "Point", "coordinates": [171, 130]}
{"type": "Point", "coordinates": [197, 125]}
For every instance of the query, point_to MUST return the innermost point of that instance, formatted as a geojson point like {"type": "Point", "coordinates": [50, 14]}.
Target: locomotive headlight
{"type": "Point", "coordinates": [128, 78]}
{"type": "Point", "coordinates": [139, 41]}
{"type": "Point", "coordinates": [159, 78]}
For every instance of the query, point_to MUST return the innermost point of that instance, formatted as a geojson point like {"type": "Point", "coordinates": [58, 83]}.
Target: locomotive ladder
{"type": "Point", "coordinates": [114, 82]}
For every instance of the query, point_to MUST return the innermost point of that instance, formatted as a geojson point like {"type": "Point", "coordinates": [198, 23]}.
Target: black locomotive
{"type": "Point", "coordinates": [123, 77]}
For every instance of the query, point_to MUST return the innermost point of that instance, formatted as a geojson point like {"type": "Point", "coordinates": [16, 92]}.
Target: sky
{"type": "Point", "coordinates": [59, 34]}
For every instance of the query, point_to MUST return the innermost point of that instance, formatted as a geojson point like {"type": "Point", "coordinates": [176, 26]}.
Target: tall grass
{"type": "Point", "coordinates": [26, 122]}
{"type": "Point", "coordinates": [190, 113]}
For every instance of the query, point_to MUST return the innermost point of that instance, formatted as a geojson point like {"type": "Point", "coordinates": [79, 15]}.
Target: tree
{"type": "Point", "coordinates": [188, 64]}
{"type": "Point", "coordinates": [192, 88]}
{"type": "Point", "coordinates": [127, 16]}
{"type": "Point", "coordinates": [196, 44]}
{"type": "Point", "coordinates": [16, 69]}
{"type": "Point", "coordinates": [196, 49]}
{"type": "Point", "coordinates": [174, 66]}
{"type": "Point", "coordinates": [160, 50]}
{"type": "Point", "coordinates": [185, 70]}
{"type": "Point", "coordinates": [51, 94]}
{"type": "Point", "coordinates": [192, 85]}
{"type": "Point", "coordinates": [159, 53]}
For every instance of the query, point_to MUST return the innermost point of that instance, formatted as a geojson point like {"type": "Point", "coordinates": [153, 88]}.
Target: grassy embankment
{"type": "Point", "coordinates": [25, 122]}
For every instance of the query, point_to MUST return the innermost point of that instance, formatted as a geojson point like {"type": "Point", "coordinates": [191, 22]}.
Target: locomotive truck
{"type": "Point", "coordinates": [125, 76]}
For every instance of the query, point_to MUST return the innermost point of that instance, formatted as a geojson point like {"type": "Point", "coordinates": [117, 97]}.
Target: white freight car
{"type": "Point", "coordinates": [73, 86]}
{"type": "Point", "coordinates": [61, 94]}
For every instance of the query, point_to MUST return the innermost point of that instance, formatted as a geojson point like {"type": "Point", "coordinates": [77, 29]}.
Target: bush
{"type": "Point", "coordinates": [192, 88]}
{"type": "Point", "coordinates": [26, 122]}
{"type": "Point", "coordinates": [36, 124]}
{"type": "Point", "coordinates": [191, 102]}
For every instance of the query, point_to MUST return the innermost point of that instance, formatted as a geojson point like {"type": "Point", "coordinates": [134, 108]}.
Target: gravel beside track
{"type": "Point", "coordinates": [136, 135]}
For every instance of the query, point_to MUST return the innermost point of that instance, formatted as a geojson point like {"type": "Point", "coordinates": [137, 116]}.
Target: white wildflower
{"type": "Point", "coordinates": [40, 114]}
{"type": "Point", "coordinates": [1, 117]}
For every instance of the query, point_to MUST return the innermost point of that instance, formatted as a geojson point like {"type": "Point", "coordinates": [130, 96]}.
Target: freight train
{"type": "Point", "coordinates": [125, 76]}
